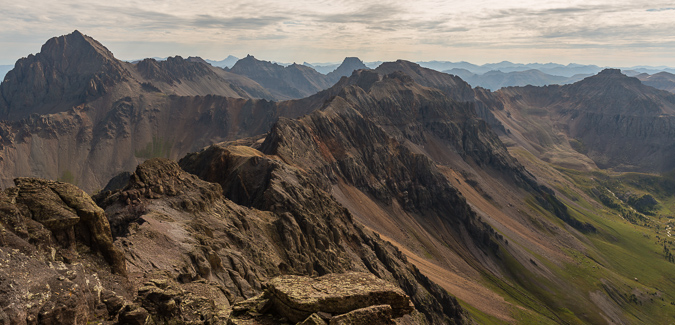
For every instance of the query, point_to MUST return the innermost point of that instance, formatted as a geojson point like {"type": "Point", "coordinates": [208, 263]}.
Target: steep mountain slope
{"type": "Point", "coordinates": [294, 81]}
{"type": "Point", "coordinates": [614, 120]}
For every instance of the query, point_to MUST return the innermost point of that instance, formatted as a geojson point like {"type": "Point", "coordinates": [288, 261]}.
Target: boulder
{"type": "Point", "coordinates": [70, 214]}
{"type": "Point", "coordinates": [297, 297]}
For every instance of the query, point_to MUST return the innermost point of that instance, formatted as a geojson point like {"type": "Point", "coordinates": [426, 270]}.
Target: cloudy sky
{"type": "Point", "coordinates": [606, 33]}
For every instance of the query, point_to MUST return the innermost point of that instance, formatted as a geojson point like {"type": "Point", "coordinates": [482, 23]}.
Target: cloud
{"type": "Point", "coordinates": [208, 21]}
{"type": "Point", "coordinates": [366, 15]}
{"type": "Point", "coordinates": [323, 30]}
{"type": "Point", "coordinates": [661, 9]}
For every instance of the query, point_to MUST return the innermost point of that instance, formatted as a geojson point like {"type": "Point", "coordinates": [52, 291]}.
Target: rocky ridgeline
{"type": "Point", "coordinates": [184, 232]}
{"type": "Point", "coordinates": [184, 253]}
{"type": "Point", "coordinates": [173, 70]}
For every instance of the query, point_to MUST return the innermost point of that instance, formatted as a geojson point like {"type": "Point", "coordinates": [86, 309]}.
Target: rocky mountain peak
{"type": "Point", "coordinates": [74, 43]}
{"type": "Point", "coordinates": [608, 72]}
{"type": "Point", "coordinates": [611, 78]}
{"type": "Point", "coordinates": [349, 65]}
{"type": "Point", "coordinates": [68, 71]}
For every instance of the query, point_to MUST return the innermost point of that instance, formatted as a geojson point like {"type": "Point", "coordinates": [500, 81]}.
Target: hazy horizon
{"type": "Point", "coordinates": [603, 33]}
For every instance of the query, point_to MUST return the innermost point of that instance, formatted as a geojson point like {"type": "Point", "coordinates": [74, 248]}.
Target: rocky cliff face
{"type": "Point", "coordinates": [86, 146]}
{"type": "Point", "coordinates": [252, 179]}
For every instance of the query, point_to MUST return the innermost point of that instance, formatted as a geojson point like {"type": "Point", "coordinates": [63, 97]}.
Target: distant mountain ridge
{"type": "Point", "coordinates": [224, 63]}
{"type": "Point", "coordinates": [496, 79]}
{"type": "Point", "coordinates": [662, 80]}
{"type": "Point", "coordinates": [349, 65]}
{"type": "Point", "coordinates": [294, 81]}
{"type": "Point", "coordinates": [506, 66]}
{"type": "Point", "coordinates": [555, 69]}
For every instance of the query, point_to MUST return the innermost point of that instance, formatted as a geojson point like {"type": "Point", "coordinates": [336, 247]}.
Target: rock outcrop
{"type": "Point", "coordinates": [58, 262]}
{"type": "Point", "coordinates": [347, 298]}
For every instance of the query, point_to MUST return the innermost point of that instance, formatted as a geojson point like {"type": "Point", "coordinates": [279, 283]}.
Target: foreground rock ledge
{"type": "Point", "coordinates": [342, 298]}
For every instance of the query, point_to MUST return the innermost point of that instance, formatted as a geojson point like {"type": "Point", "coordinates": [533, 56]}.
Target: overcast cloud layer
{"type": "Point", "coordinates": [606, 33]}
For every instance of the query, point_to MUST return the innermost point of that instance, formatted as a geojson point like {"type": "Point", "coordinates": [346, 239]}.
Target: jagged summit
{"type": "Point", "coordinates": [75, 41]}
{"type": "Point", "coordinates": [69, 70]}
{"type": "Point", "coordinates": [349, 65]}
{"type": "Point", "coordinates": [613, 92]}
{"type": "Point", "coordinates": [455, 87]}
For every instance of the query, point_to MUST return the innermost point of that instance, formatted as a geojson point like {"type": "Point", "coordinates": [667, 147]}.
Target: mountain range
{"type": "Point", "coordinates": [263, 194]}
{"type": "Point", "coordinates": [494, 80]}
{"type": "Point", "coordinates": [662, 80]}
